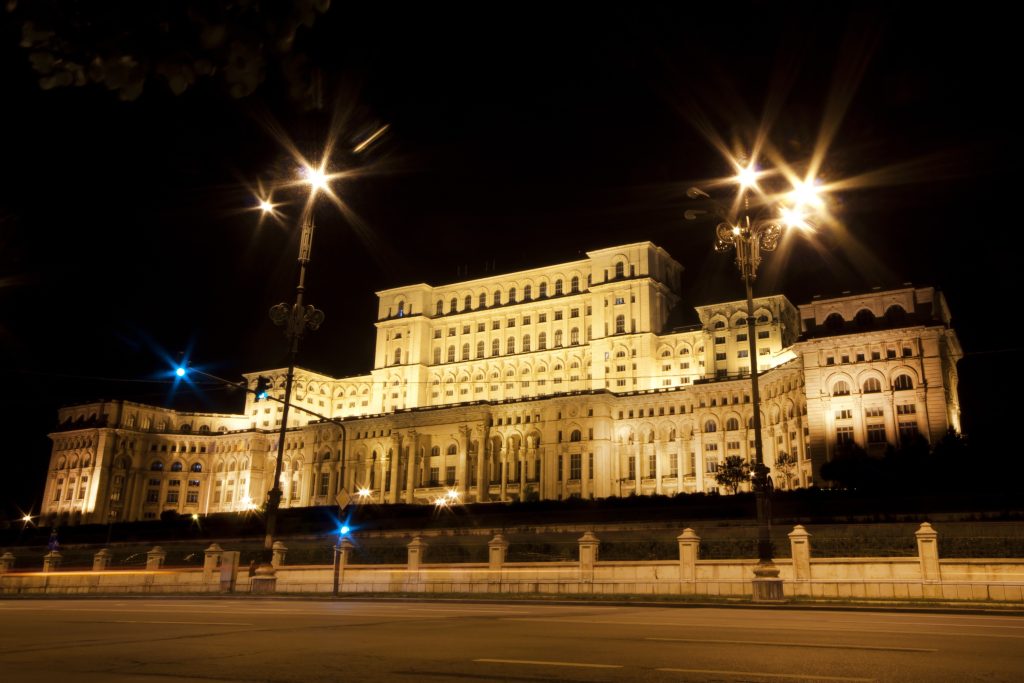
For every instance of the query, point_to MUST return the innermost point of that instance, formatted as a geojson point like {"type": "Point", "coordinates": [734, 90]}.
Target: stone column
{"type": "Point", "coordinates": [521, 459]}
{"type": "Point", "coordinates": [698, 461]}
{"type": "Point", "coordinates": [503, 464]}
{"type": "Point", "coordinates": [689, 551]}
{"type": "Point", "coordinates": [659, 454]}
{"type": "Point", "coordinates": [482, 482]}
{"type": "Point", "coordinates": [382, 471]}
{"type": "Point", "coordinates": [101, 560]}
{"type": "Point", "coordinates": [344, 554]}
{"type": "Point", "coordinates": [307, 484]}
{"type": "Point", "coordinates": [928, 554]}
{"type": "Point", "coordinates": [589, 545]}
{"type": "Point", "coordinates": [585, 472]}
{"type": "Point", "coordinates": [410, 469]}
{"type": "Point", "coordinates": [279, 550]}
{"type": "Point", "coordinates": [6, 562]}
{"type": "Point", "coordinates": [52, 560]}
{"type": "Point", "coordinates": [462, 469]}
{"type": "Point", "coordinates": [155, 558]}
{"type": "Point", "coordinates": [638, 454]}
{"type": "Point", "coordinates": [396, 459]}
{"type": "Point", "coordinates": [800, 551]}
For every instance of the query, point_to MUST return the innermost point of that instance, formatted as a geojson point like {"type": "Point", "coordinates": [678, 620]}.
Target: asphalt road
{"type": "Point", "coordinates": [118, 640]}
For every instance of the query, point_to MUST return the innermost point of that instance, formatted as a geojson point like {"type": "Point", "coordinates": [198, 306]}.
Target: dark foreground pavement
{"type": "Point", "coordinates": [117, 641]}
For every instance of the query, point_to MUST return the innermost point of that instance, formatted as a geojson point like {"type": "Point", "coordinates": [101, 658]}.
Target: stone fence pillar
{"type": "Point", "coordinates": [589, 545]}
{"type": "Point", "coordinates": [101, 561]}
{"type": "Point", "coordinates": [497, 549]}
{"type": "Point", "coordinates": [6, 562]}
{"type": "Point", "coordinates": [279, 551]}
{"type": "Point", "coordinates": [416, 549]}
{"type": "Point", "coordinates": [800, 551]}
{"type": "Point", "coordinates": [155, 558]}
{"type": "Point", "coordinates": [689, 551]}
{"type": "Point", "coordinates": [344, 555]}
{"type": "Point", "coordinates": [211, 560]}
{"type": "Point", "coordinates": [52, 560]}
{"type": "Point", "coordinates": [928, 554]}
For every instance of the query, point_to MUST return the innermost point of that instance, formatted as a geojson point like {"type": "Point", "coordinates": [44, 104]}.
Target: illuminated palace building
{"type": "Point", "coordinates": [550, 383]}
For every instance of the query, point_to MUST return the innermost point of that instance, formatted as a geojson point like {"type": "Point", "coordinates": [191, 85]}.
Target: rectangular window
{"type": "Point", "coordinates": [673, 466]}
{"type": "Point", "coordinates": [558, 315]}
{"type": "Point", "coordinates": [575, 467]}
{"type": "Point", "coordinates": [711, 447]}
{"type": "Point", "coordinates": [906, 409]}
{"type": "Point", "coordinates": [720, 356]}
{"type": "Point", "coordinates": [762, 352]}
{"type": "Point", "coordinates": [561, 467]}
{"type": "Point", "coordinates": [873, 412]}
{"type": "Point", "coordinates": [574, 312]}
{"type": "Point", "coordinates": [511, 322]}
{"type": "Point", "coordinates": [495, 324]}
{"type": "Point", "coordinates": [325, 482]}
{"type": "Point", "coordinates": [449, 475]}
{"type": "Point", "coordinates": [763, 334]}
{"type": "Point", "coordinates": [741, 337]}
{"type": "Point", "coordinates": [437, 334]}
{"type": "Point", "coordinates": [908, 430]}
{"type": "Point", "coordinates": [542, 317]}
{"type": "Point", "coordinates": [172, 496]}
{"type": "Point", "coordinates": [480, 327]}
{"type": "Point", "coordinates": [890, 353]}
{"type": "Point", "coordinates": [435, 476]}
{"type": "Point", "coordinates": [590, 466]}
{"type": "Point", "coordinates": [844, 435]}
{"type": "Point", "coordinates": [192, 497]}
{"type": "Point", "coordinates": [526, 320]}
{"type": "Point", "coordinates": [153, 496]}
{"type": "Point", "coordinates": [632, 467]}
{"type": "Point", "coordinates": [451, 331]}
{"type": "Point", "coordinates": [844, 414]}
{"type": "Point", "coordinates": [652, 465]}
{"type": "Point", "coordinates": [742, 353]}
{"type": "Point", "coordinates": [719, 340]}
{"type": "Point", "coordinates": [876, 433]}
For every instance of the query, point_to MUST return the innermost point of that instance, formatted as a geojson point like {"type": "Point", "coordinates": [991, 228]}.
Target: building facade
{"type": "Point", "coordinates": [550, 383]}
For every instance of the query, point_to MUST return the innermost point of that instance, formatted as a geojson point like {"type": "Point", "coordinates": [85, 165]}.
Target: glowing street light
{"type": "Point", "coordinates": [750, 228]}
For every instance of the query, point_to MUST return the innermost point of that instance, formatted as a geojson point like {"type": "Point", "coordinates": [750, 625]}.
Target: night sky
{"type": "Point", "coordinates": [518, 137]}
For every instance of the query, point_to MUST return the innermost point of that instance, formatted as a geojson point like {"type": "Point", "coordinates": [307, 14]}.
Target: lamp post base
{"type": "Point", "coordinates": [264, 579]}
{"type": "Point", "coordinates": [767, 584]}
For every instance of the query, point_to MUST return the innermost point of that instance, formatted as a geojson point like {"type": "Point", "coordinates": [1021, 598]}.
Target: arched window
{"type": "Point", "coordinates": [497, 298]}
{"type": "Point", "coordinates": [526, 343]}
{"type": "Point", "coordinates": [719, 324]}
{"type": "Point", "coordinates": [398, 356]}
{"type": "Point", "coordinates": [401, 309]}
{"type": "Point", "coordinates": [480, 349]}
{"type": "Point", "coordinates": [895, 316]}
{"type": "Point", "coordinates": [684, 351]}
{"type": "Point", "coordinates": [732, 424]}
{"type": "Point", "coordinates": [483, 301]}
{"type": "Point", "coordinates": [527, 293]}
{"type": "Point", "coordinates": [543, 290]}
{"type": "Point", "coordinates": [440, 307]}
{"type": "Point", "coordinates": [864, 319]}
{"type": "Point", "coordinates": [762, 319]}
{"type": "Point", "coordinates": [841, 388]}
{"type": "Point", "coordinates": [176, 467]}
{"type": "Point", "coordinates": [834, 323]}
{"type": "Point", "coordinates": [672, 434]}
{"type": "Point", "coordinates": [574, 336]}
{"type": "Point", "coordinates": [710, 426]}
{"type": "Point", "coordinates": [435, 451]}
{"type": "Point", "coordinates": [741, 321]}
{"type": "Point", "coordinates": [452, 450]}
{"type": "Point", "coordinates": [495, 347]}
{"type": "Point", "coordinates": [453, 305]}
{"type": "Point", "coordinates": [872, 385]}
{"type": "Point", "coordinates": [437, 356]}
{"type": "Point", "coordinates": [574, 284]}
{"type": "Point", "coordinates": [451, 354]}
{"type": "Point", "coordinates": [465, 352]}
{"type": "Point", "coordinates": [620, 269]}
{"type": "Point", "coordinates": [157, 466]}
{"type": "Point", "coordinates": [542, 341]}
{"type": "Point", "coordinates": [512, 295]}
{"type": "Point", "coordinates": [575, 435]}
{"type": "Point", "coordinates": [196, 467]}
{"type": "Point", "coordinates": [558, 339]}
{"type": "Point", "coordinates": [558, 287]}
{"type": "Point", "coordinates": [902, 383]}
{"type": "Point", "coordinates": [510, 345]}
{"type": "Point", "coordinates": [620, 324]}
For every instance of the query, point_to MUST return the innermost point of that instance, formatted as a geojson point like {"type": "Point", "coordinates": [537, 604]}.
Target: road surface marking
{"type": "Point", "coordinates": [450, 609]}
{"type": "Point", "coordinates": [764, 674]}
{"type": "Point", "coordinates": [190, 623]}
{"type": "Point", "coordinates": [782, 644]}
{"type": "Point", "coordinates": [704, 627]}
{"type": "Point", "coordinates": [548, 663]}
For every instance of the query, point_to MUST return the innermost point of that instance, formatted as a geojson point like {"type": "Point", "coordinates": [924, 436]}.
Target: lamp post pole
{"type": "Point", "coordinates": [749, 239]}
{"type": "Point", "coordinates": [295, 319]}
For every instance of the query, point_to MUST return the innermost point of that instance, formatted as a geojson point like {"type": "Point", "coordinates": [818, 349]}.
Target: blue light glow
{"type": "Point", "coordinates": [344, 529]}
{"type": "Point", "coordinates": [180, 372]}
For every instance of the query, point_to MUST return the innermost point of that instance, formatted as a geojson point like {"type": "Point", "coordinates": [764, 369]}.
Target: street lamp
{"type": "Point", "coordinates": [295, 319]}
{"type": "Point", "coordinates": [755, 225]}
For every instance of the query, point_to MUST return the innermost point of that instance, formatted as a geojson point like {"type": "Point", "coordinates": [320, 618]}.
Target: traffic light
{"type": "Point", "coordinates": [262, 387]}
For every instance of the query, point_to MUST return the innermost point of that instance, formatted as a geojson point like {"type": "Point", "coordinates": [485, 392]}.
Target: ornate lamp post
{"type": "Point", "coordinates": [295, 319]}
{"type": "Point", "coordinates": [753, 227]}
